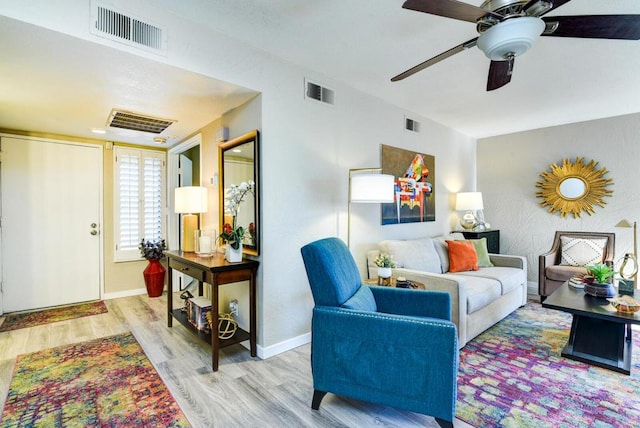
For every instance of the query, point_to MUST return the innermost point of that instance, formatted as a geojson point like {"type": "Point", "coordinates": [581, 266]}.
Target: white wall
{"type": "Point", "coordinates": [510, 165]}
{"type": "Point", "coordinates": [307, 150]}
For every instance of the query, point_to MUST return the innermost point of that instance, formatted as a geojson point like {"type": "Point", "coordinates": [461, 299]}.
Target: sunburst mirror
{"type": "Point", "coordinates": [571, 188]}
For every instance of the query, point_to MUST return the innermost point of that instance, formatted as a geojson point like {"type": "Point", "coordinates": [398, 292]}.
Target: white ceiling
{"type": "Point", "coordinates": [362, 43]}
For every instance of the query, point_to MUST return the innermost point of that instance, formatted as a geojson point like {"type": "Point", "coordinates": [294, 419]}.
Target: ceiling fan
{"type": "Point", "coordinates": [508, 28]}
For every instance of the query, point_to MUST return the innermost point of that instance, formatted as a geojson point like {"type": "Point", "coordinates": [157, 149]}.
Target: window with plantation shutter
{"type": "Point", "coordinates": [139, 199]}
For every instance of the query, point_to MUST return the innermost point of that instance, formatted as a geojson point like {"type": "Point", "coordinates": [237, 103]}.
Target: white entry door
{"type": "Point", "coordinates": [51, 205]}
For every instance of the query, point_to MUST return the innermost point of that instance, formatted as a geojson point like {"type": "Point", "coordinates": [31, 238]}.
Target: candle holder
{"type": "Point", "coordinates": [205, 242]}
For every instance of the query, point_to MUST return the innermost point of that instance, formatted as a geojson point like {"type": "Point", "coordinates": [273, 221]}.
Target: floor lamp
{"type": "Point", "coordinates": [368, 185]}
{"type": "Point", "coordinates": [190, 200]}
{"type": "Point", "coordinates": [634, 256]}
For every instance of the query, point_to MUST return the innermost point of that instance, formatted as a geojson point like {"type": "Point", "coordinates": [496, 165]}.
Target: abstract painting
{"type": "Point", "coordinates": [414, 173]}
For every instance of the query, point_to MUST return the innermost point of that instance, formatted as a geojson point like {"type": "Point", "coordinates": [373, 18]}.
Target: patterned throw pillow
{"type": "Point", "coordinates": [581, 251]}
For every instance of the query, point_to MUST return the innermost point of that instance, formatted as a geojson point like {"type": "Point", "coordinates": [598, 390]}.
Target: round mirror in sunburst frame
{"type": "Point", "coordinates": [570, 188]}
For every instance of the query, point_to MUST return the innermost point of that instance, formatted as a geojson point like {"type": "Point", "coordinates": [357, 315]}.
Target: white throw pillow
{"type": "Point", "coordinates": [443, 249]}
{"type": "Point", "coordinates": [418, 254]}
{"type": "Point", "coordinates": [581, 251]}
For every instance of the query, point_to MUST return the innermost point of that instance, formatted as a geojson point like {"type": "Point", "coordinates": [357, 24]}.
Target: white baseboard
{"type": "Point", "coordinates": [127, 293]}
{"type": "Point", "coordinates": [279, 348]}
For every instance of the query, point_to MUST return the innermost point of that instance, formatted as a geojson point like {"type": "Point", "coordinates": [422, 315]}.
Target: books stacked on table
{"type": "Point", "coordinates": [197, 308]}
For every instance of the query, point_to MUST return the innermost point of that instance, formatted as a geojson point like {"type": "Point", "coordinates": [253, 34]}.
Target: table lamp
{"type": "Point", "coordinates": [368, 185]}
{"type": "Point", "coordinates": [469, 202]}
{"type": "Point", "coordinates": [190, 200]}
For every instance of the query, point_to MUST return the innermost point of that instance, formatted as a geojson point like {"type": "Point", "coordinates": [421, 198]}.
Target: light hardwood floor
{"type": "Point", "coordinates": [245, 392]}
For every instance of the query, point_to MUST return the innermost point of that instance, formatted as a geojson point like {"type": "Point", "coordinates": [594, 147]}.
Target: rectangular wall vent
{"type": "Point", "coordinates": [138, 122]}
{"type": "Point", "coordinates": [411, 125]}
{"type": "Point", "coordinates": [317, 92]}
{"type": "Point", "coordinates": [119, 26]}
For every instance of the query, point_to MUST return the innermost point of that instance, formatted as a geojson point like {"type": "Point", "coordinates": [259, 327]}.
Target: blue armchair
{"type": "Point", "coordinates": [390, 346]}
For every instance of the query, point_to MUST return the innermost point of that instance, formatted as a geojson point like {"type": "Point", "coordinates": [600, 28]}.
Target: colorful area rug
{"type": "Point", "coordinates": [512, 375]}
{"type": "Point", "coordinates": [32, 319]}
{"type": "Point", "coordinates": [107, 382]}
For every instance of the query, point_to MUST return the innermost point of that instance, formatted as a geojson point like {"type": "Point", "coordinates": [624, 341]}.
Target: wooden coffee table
{"type": "Point", "coordinates": [599, 334]}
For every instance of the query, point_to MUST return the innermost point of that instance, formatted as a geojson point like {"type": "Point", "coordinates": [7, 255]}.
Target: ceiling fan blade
{"type": "Point", "coordinates": [544, 8]}
{"type": "Point", "coordinates": [450, 9]}
{"type": "Point", "coordinates": [499, 74]}
{"type": "Point", "coordinates": [444, 55]}
{"type": "Point", "coordinates": [625, 27]}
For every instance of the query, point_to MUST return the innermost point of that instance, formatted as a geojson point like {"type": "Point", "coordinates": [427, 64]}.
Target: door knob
{"type": "Point", "coordinates": [94, 232]}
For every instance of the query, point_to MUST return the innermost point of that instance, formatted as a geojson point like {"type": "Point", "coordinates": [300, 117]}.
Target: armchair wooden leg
{"type": "Point", "coordinates": [317, 398]}
{"type": "Point", "coordinates": [444, 424]}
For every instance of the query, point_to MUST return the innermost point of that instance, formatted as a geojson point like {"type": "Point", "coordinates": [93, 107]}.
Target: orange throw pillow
{"type": "Point", "coordinates": [462, 256]}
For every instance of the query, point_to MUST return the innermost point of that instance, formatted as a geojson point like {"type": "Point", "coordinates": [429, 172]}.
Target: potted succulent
{"type": "Point", "coordinates": [385, 264]}
{"type": "Point", "coordinates": [598, 280]}
{"type": "Point", "coordinates": [154, 272]}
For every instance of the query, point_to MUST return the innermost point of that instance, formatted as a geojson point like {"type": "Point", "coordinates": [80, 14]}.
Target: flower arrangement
{"type": "Point", "coordinates": [384, 261]}
{"type": "Point", "coordinates": [598, 272]}
{"type": "Point", "coordinates": [233, 234]}
{"type": "Point", "coordinates": [151, 250]}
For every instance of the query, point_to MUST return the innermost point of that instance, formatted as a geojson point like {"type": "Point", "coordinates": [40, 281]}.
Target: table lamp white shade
{"type": "Point", "coordinates": [372, 188]}
{"type": "Point", "coordinates": [469, 201]}
{"type": "Point", "coordinates": [188, 201]}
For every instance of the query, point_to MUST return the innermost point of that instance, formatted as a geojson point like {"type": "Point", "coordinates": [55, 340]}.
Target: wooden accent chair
{"type": "Point", "coordinates": [390, 346]}
{"type": "Point", "coordinates": [552, 274]}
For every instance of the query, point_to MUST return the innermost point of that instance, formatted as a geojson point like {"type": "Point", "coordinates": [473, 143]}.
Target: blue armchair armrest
{"type": "Point", "coordinates": [407, 362]}
{"type": "Point", "coordinates": [421, 303]}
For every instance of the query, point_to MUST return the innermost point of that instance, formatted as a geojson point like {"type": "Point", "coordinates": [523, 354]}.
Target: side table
{"type": "Point", "coordinates": [418, 285]}
{"type": "Point", "coordinates": [493, 239]}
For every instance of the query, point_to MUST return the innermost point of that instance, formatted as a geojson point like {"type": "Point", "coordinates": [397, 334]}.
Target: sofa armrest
{"type": "Point", "coordinates": [455, 286]}
{"type": "Point", "coordinates": [372, 269]}
{"type": "Point", "coordinates": [420, 303]}
{"type": "Point", "coordinates": [504, 260]}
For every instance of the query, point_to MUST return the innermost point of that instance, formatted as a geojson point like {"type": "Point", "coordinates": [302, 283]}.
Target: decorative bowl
{"type": "Point", "coordinates": [625, 304]}
{"type": "Point", "coordinates": [596, 289]}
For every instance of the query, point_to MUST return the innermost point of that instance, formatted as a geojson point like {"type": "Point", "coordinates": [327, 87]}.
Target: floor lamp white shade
{"type": "Point", "coordinates": [365, 186]}
{"type": "Point", "coordinates": [190, 200]}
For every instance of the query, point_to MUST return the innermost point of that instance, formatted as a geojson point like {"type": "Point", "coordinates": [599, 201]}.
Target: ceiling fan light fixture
{"type": "Point", "coordinates": [512, 37]}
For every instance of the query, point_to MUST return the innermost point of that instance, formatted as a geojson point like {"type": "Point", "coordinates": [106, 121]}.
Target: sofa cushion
{"type": "Point", "coordinates": [563, 273]}
{"type": "Point", "coordinates": [481, 292]}
{"type": "Point", "coordinates": [483, 253]}
{"type": "Point", "coordinates": [443, 249]}
{"type": "Point", "coordinates": [418, 254]}
{"type": "Point", "coordinates": [362, 300]}
{"type": "Point", "coordinates": [462, 256]}
{"type": "Point", "coordinates": [508, 277]}
{"type": "Point", "coordinates": [581, 251]}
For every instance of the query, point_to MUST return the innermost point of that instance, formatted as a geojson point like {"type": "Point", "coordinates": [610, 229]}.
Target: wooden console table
{"type": "Point", "coordinates": [215, 271]}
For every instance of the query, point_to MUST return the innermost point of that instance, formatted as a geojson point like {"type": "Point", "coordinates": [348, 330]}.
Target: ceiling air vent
{"type": "Point", "coordinates": [313, 91]}
{"type": "Point", "coordinates": [119, 26]}
{"type": "Point", "coordinates": [138, 122]}
{"type": "Point", "coordinates": [411, 125]}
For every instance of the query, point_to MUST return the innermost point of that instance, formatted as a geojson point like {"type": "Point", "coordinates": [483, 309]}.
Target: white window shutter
{"type": "Point", "coordinates": [139, 199]}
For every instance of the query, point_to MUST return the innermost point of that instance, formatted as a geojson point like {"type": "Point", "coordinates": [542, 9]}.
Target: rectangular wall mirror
{"type": "Point", "coordinates": [239, 163]}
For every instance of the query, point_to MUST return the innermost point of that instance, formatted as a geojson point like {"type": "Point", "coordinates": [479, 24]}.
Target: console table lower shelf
{"type": "Point", "coordinates": [239, 336]}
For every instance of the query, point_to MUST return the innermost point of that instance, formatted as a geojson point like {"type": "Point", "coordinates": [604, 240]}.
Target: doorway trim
{"type": "Point", "coordinates": [173, 224]}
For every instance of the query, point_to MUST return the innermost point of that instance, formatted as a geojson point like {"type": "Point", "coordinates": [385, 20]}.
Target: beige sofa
{"type": "Point", "coordinates": [479, 298]}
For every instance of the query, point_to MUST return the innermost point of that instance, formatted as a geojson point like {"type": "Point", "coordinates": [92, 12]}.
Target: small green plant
{"type": "Point", "coordinates": [384, 260]}
{"type": "Point", "coordinates": [600, 272]}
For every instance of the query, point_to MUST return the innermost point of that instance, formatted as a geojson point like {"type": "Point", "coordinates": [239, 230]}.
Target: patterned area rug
{"type": "Point", "coordinates": [107, 382]}
{"type": "Point", "coordinates": [512, 375]}
{"type": "Point", "coordinates": [32, 319]}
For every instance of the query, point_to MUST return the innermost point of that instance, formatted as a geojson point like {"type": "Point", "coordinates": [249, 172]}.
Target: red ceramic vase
{"type": "Point", "coordinates": [154, 278]}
